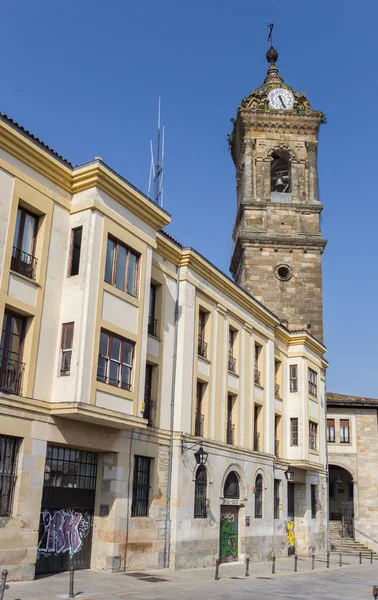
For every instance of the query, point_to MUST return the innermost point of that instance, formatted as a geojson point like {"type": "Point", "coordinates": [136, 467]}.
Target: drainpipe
{"type": "Point", "coordinates": [170, 462]}
{"type": "Point", "coordinates": [327, 465]}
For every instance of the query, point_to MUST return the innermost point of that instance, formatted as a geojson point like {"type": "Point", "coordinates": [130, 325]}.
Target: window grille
{"type": "Point", "coordinates": [277, 484]}
{"type": "Point", "coordinates": [294, 431]}
{"type": "Point", "coordinates": [141, 486]}
{"type": "Point", "coordinates": [200, 493]}
{"type": "Point", "coordinates": [70, 468]}
{"type": "Point", "coordinates": [122, 266]}
{"type": "Point", "coordinates": [231, 486]}
{"type": "Point", "coordinates": [8, 469]}
{"type": "Point", "coordinates": [293, 378]}
{"type": "Point", "coordinates": [314, 501]}
{"type": "Point", "coordinates": [313, 435]}
{"type": "Point", "coordinates": [258, 497]}
{"type": "Point", "coordinates": [115, 360]}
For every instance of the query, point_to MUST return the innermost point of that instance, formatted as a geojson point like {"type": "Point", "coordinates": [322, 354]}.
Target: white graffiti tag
{"type": "Point", "coordinates": [62, 531]}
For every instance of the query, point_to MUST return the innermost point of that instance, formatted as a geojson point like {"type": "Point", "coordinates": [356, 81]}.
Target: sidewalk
{"type": "Point", "coordinates": [98, 585]}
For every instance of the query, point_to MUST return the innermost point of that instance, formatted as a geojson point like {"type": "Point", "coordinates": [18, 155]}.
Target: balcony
{"type": "Point", "coordinates": [256, 442]}
{"type": "Point", "coordinates": [277, 448]}
{"type": "Point", "coordinates": [11, 376]}
{"type": "Point", "coordinates": [230, 433]}
{"type": "Point", "coordinates": [257, 377]}
{"type": "Point", "coordinates": [202, 347]}
{"type": "Point", "coordinates": [199, 425]}
{"type": "Point", "coordinates": [23, 263]}
{"type": "Point", "coordinates": [152, 327]}
{"type": "Point", "coordinates": [277, 390]}
{"type": "Point", "coordinates": [231, 363]}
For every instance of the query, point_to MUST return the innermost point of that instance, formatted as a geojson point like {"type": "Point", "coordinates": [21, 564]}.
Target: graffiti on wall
{"type": "Point", "coordinates": [228, 537]}
{"type": "Point", "coordinates": [63, 531]}
{"type": "Point", "coordinates": [290, 535]}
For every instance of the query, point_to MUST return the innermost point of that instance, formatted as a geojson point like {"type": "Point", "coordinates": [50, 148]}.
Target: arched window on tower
{"type": "Point", "coordinates": [280, 174]}
{"type": "Point", "coordinates": [200, 493]}
{"type": "Point", "coordinates": [258, 497]}
{"type": "Point", "coordinates": [231, 486]}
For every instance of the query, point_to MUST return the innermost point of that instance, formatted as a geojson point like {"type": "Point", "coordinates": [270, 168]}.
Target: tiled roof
{"type": "Point", "coordinates": [34, 139]}
{"type": "Point", "coordinates": [344, 399]}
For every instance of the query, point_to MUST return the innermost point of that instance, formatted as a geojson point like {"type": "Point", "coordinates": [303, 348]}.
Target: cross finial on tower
{"type": "Point", "coordinates": [270, 36]}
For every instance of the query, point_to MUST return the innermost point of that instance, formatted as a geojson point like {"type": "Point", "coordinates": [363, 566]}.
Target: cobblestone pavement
{"type": "Point", "coordinates": [351, 581]}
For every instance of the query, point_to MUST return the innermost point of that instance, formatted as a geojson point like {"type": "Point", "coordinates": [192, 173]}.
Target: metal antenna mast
{"type": "Point", "coordinates": [157, 168]}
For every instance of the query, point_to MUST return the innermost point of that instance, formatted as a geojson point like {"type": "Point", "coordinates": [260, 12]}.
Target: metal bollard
{"type": "Point", "coordinates": [71, 593]}
{"type": "Point", "coordinates": [328, 553]}
{"type": "Point", "coordinates": [341, 560]}
{"type": "Point", "coordinates": [247, 566]}
{"type": "Point", "coordinates": [273, 564]}
{"type": "Point", "coordinates": [360, 558]}
{"type": "Point", "coordinates": [217, 563]}
{"type": "Point", "coordinates": [313, 561]}
{"type": "Point", "coordinates": [295, 563]}
{"type": "Point", "coordinates": [4, 576]}
{"type": "Point", "coordinates": [371, 557]}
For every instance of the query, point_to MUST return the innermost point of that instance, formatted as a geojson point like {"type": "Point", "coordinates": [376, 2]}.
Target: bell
{"type": "Point", "coordinates": [279, 182]}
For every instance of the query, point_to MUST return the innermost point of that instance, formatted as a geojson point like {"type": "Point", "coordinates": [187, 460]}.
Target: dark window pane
{"type": "Point", "coordinates": [75, 250]}
{"type": "Point", "coordinates": [109, 260]}
{"type": "Point", "coordinates": [113, 372]}
{"type": "Point", "coordinates": [131, 275]}
{"type": "Point", "coordinates": [104, 342]}
{"type": "Point", "coordinates": [121, 267]}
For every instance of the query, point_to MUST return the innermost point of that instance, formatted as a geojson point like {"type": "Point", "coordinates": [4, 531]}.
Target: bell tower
{"type": "Point", "coordinates": [278, 244]}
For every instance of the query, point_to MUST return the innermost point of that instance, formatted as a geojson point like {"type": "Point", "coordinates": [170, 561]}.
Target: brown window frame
{"type": "Point", "coordinates": [312, 382]}
{"type": "Point", "coordinates": [293, 378]}
{"type": "Point", "coordinates": [313, 435]}
{"type": "Point", "coordinates": [63, 351]}
{"type": "Point", "coordinates": [294, 431]}
{"type": "Point", "coordinates": [344, 426]}
{"type": "Point", "coordinates": [23, 262]}
{"type": "Point", "coordinates": [109, 359]}
{"type": "Point", "coordinates": [72, 251]}
{"type": "Point", "coordinates": [330, 427]}
{"type": "Point", "coordinates": [113, 275]}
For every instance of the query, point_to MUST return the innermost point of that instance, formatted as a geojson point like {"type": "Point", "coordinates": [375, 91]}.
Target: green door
{"type": "Point", "coordinates": [228, 542]}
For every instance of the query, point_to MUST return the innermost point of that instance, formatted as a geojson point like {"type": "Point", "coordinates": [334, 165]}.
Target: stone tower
{"type": "Point", "coordinates": [278, 245]}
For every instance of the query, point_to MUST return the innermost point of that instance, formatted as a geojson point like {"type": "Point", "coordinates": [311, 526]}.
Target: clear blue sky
{"type": "Point", "coordinates": [85, 77]}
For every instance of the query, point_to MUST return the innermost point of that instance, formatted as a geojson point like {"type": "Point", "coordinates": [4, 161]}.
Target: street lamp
{"type": "Point", "coordinates": [201, 456]}
{"type": "Point", "coordinates": [289, 474]}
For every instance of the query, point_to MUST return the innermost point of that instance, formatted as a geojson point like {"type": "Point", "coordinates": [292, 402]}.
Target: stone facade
{"type": "Point", "coordinates": [274, 229]}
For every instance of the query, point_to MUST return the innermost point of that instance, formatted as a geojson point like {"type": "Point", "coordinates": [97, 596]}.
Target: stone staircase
{"type": "Point", "coordinates": [346, 545]}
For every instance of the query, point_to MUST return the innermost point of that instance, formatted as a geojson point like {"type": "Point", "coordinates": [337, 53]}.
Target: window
{"type": "Point", "coordinates": [148, 402]}
{"type": "Point", "coordinates": [277, 371]}
{"type": "Point", "coordinates": [70, 468]}
{"type": "Point", "coordinates": [231, 342]}
{"type": "Point", "coordinates": [115, 360]}
{"type": "Point", "coordinates": [330, 430]}
{"type": "Point", "coordinates": [258, 350]}
{"type": "Point", "coordinates": [76, 235]}
{"type": "Point", "coordinates": [258, 497]}
{"type": "Point", "coordinates": [200, 493]}
{"type": "Point", "coordinates": [277, 421]}
{"type": "Point", "coordinates": [256, 433]}
{"type": "Point", "coordinates": [280, 176]}
{"type": "Point", "coordinates": [152, 322]}
{"type": "Point", "coordinates": [202, 345]}
{"type": "Point", "coordinates": [11, 345]}
{"type": "Point", "coordinates": [8, 469]}
{"type": "Point", "coordinates": [312, 382]}
{"type": "Point", "coordinates": [23, 259]}
{"type": "Point", "coordinates": [313, 429]}
{"type": "Point", "coordinates": [199, 417]}
{"type": "Point", "coordinates": [293, 378]}
{"type": "Point", "coordinates": [314, 501]}
{"type": "Point", "coordinates": [231, 486]}
{"type": "Point", "coordinates": [66, 348]}
{"type": "Point", "coordinates": [344, 431]}
{"type": "Point", "coordinates": [294, 431]}
{"type": "Point", "coordinates": [141, 486]}
{"type": "Point", "coordinates": [121, 268]}
{"type": "Point", "coordinates": [277, 483]}
{"type": "Point", "coordinates": [230, 426]}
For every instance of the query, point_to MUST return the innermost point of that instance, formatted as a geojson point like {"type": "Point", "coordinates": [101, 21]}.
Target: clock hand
{"type": "Point", "coordinates": [282, 102]}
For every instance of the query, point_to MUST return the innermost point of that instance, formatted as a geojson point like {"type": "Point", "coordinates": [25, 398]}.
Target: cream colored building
{"type": "Point", "coordinates": [125, 359]}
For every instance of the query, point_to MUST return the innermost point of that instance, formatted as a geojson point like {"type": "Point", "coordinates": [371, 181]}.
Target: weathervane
{"type": "Point", "coordinates": [270, 35]}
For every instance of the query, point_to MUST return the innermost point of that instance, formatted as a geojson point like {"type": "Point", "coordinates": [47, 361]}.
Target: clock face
{"type": "Point", "coordinates": [280, 98]}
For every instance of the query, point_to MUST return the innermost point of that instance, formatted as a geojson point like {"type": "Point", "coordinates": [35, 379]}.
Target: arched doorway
{"type": "Point", "coordinates": [228, 532]}
{"type": "Point", "coordinates": [341, 503]}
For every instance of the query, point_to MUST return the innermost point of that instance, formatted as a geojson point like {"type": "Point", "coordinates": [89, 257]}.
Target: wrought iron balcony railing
{"type": "Point", "coordinates": [230, 433]}
{"type": "Point", "coordinates": [277, 390]}
{"type": "Point", "coordinates": [276, 448]}
{"type": "Point", "coordinates": [152, 326]}
{"type": "Point", "coordinates": [199, 425]}
{"type": "Point", "coordinates": [11, 372]}
{"type": "Point", "coordinates": [256, 441]}
{"type": "Point", "coordinates": [231, 363]}
{"type": "Point", "coordinates": [257, 376]}
{"type": "Point", "coordinates": [202, 347]}
{"type": "Point", "coordinates": [23, 263]}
